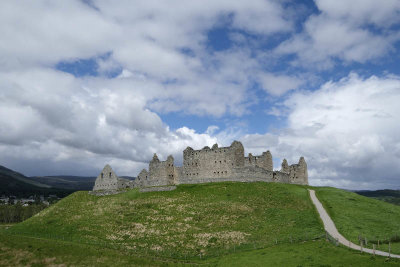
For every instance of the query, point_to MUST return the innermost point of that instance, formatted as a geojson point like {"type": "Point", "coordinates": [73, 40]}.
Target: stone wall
{"type": "Point", "coordinates": [108, 180]}
{"type": "Point", "coordinates": [281, 177]}
{"type": "Point", "coordinates": [263, 161]}
{"type": "Point", "coordinates": [298, 172]}
{"type": "Point", "coordinates": [216, 164]}
{"type": "Point", "coordinates": [208, 162]}
{"type": "Point", "coordinates": [160, 173]}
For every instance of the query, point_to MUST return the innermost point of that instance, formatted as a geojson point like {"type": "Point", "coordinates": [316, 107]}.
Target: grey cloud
{"type": "Point", "coordinates": [62, 118]}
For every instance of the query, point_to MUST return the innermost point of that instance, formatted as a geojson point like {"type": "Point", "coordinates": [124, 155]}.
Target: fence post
{"type": "Point", "coordinates": [378, 243]}
{"type": "Point", "coordinates": [366, 242]}
{"type": "Point", "coordinates": [389, 249]}
{"type": "Point", "coordinates": [373, 247]}
{"type": "Point", "coordinates": [361, 245]}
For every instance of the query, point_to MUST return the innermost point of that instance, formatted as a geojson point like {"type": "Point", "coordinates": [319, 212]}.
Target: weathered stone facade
{"type": "Point", "coordinates": [216, 164]}
{"type": "Point", "coordinates": [108, 180]}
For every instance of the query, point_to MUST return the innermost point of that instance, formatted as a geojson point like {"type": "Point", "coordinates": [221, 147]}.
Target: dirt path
{"type": "Point", "coordinates": [331, 229]}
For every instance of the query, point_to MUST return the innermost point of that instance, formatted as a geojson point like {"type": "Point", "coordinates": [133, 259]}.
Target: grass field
{"type": "Point", "coordinates": [218, 224]}
{"type": "Point", "coordinates": [207, 220]}
{"type": "Point", "coordinates": [358, 216]}
{"type": "Point", "coordinates": [312, 253]}
{"type": "Point", "coordinates": [29, 251]}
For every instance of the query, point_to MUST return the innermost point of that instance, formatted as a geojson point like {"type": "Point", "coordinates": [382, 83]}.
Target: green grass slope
{"type": "Point", "coordinates": [28, 251]}
{"type": "Point", "coordinates": [358, 217]}
{"type": "Point", "coordinates": [311, 253]}
{"type": "Point", "coordinates": [391, 196]}
{"type": "Point", "coordinates": [207, 220]}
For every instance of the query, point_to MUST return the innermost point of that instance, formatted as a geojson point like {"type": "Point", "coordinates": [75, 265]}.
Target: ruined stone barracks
{"type": "Point", "coordinates": [216, 164]}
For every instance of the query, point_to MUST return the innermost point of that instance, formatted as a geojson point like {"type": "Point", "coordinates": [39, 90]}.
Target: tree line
{"type": "Point", "coordinates": [18, 213]}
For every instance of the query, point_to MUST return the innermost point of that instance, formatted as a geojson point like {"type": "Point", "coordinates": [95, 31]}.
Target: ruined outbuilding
{"type": "Point", "coordinates": [108, 180]}
{"type": "Point", "coordinates": [215, 164]}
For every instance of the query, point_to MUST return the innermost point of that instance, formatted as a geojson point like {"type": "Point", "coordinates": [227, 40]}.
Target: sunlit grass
{"type": "Point", "coordinates": [194, 219]}
{"type": "Point", "coordinates": [361, 218]}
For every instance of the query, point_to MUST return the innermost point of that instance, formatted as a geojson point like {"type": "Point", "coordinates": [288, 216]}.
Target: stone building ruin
{"type": "Point", "coordinates": [215, 164]}
{"type": "Point", "coordinates": [108, 180]}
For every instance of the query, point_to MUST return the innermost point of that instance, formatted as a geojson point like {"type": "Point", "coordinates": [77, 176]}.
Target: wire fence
{"type": "Point", "coordinates": [376, 243]}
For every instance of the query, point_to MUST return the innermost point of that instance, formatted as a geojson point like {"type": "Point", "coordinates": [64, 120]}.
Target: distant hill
{"type": "Point", "coordinates": [17, 184]}
{"type": "Point", "coordinates": [391, 196]}
{"type": "Point", "coordinates": [11, 175]}
{"type": "Point", "coordinates": [75, 183]}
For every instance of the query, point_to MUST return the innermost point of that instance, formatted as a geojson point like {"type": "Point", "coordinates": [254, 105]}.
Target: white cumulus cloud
{"type": "Point", "coordinates": [347, 130]}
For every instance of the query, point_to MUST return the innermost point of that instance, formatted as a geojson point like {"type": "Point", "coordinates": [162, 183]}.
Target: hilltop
{"type": "Point", "coordinates": [193, 219]}
{"type": "Point", "coordinates": [229, 223]}
{"type": "Point", "coordinates": [391, 196]}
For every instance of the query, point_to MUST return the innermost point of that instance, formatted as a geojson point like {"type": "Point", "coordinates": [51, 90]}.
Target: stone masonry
{"type": "Point", "coordinates": [108, 180]}
{"type": "Point", "coordinates": [215, 164]}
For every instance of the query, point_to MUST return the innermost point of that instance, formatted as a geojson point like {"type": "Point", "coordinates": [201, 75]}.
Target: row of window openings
{"type": "Point", "coordinates": [195, 164]}
{"type": "Point", "coordinates": [222, 172]}
{"type": "Point", "coordinates": [102, 175]}
{"type": "Point", "coordinates": [105, 185]}
{"type": "Point", "coordinates": [193, 153]}
{"type": "Point", "coordinates": [192, 174]}
{"type": "Point", "coordinates": [169, 175]}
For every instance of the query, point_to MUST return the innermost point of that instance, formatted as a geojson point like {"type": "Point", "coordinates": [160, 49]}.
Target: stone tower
{"type": "Point", "coordinates": [238, 153]}
{"type": "Point", "coordinates": [303, 173]}
{"type": "Point", "coordinates": [268, 165]}
{"type": "Point", "coordinates": [285, 166]}
{"type": "Point", "coordinates": [298, 173]}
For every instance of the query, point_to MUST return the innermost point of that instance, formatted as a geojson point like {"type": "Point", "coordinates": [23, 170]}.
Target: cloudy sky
{"type": "Point", "coordinates": [85, 83]}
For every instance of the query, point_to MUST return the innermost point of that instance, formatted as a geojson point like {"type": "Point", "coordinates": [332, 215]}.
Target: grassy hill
{"type": "Point", "coordinates": [75, 183]}
{"type": "Point", "coordinates": [358, 217]}
{"type": "Point", "coordinates": [219, 224]}
{"type": "Point", "coordinates": [194, 219]}
{"type": "Point", "coordinates": [27, 251]}
{"type": "Point", "coordinates": [17, 177]}
{"type": "Point", "coordinates": [391, 196]}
